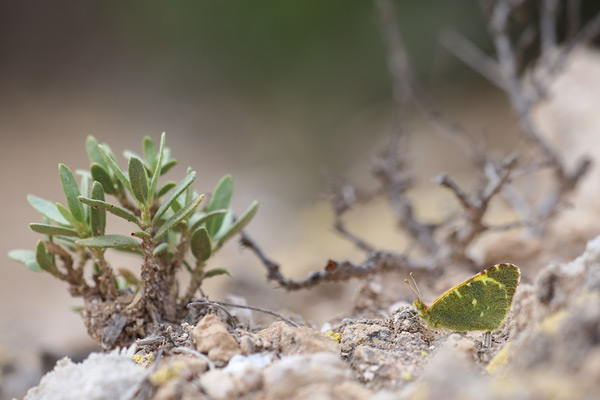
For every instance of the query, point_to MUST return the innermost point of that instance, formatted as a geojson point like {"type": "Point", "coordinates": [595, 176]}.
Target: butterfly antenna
{"type": "Point", "coordinates": [414, 289]}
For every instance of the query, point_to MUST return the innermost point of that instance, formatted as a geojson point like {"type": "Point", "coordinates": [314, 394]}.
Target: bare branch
{"type": "Point", "coordinates": [471, 55]}
{"type": "Point", "coordinates": [447, 182]}
{"type": "Point", "coordinates": [246, 307]}
{"type": "Point", "coordinates": [334, 271]}
{"type": "Point", "coordinates": [548, 17]}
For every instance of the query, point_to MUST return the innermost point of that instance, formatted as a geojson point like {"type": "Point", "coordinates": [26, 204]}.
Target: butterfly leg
{"type": "Point", "coordinates": [487, 339]}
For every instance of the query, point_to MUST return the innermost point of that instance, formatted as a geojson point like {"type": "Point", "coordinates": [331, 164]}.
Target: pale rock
{"type": "Point", "coordinates": [213, 339]}
{"type": "Point", "coordinates": [219, 384]}
{"type": "Point", "coordinates": [297, 340]}
{"type": "Point", "coordinates": [461, 343]}
{"type": "Point", "coordinates": [101, 376]}
{"type": "Point", "coordinates": [368, 334]}
{"type": "Point", "coordinates": [283, 378]}
{"type": "Point", "coordinates": [344, 391]}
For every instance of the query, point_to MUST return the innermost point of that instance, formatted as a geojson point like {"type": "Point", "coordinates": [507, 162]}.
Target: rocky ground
{"type": "Point", "coordinates": [549, 347]}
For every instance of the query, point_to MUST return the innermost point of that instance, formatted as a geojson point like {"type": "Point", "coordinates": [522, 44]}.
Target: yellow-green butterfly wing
{"type": "Point", "coordinates": [481, 303]}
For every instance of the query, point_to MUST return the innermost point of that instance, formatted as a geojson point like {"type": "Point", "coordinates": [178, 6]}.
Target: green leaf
{"type": "Point", "coordinates": [95, 156]}
{"type": "Point", "coordinates": [167, 166]}
{"type": "Point", "coordinates": [53, 230]}
{"type": "Point", "coordinates": [69, 217]}
{"type": "Point", "coordinates": [179, 188]}
{"type": "Point", "coordinates": [149, 151]}
{"type": "Point", "coordinates": [156, 165]}
{"type": "Point", "coordinates": [26, 257]}
{"type": "Point", "coordinates": [109, 241]}
{"type": "Point", "coordinates": [98, 215]}
{"type": "Point", "coordinates": [84, 189]}
{"type": "Point", "coordinates": [199, 220]}
{"type": "Point", "coordinates": [129, 277]}
{"type": "Point", "coordinates": [165, 188]}
{"type": "Point", "coordinates": [200, 244]}
{"type": "Point", "coordinates": [100, 174]}
{"type": "Point", "coordinates": [138, 179]}
{"type": "Point", "coordinates": [216, 272]}
{"type": "Point", "coordinates": [115, 167]}
{"type": "Point", "coordinates": [220, 200]}
{"type": "Point", "coordinates": [141, 234]}
{"type": "Point", "coordinates": [42, 258]}
{"type": "Point", "coordinates": [189, 193]}
{"type": "Point", "coordinates": [111, 208]}
{"type": "Point", "coordinates": [240, 224]}
{"type": "Point", "coordinates": [176, 205]}
{"type": "Point", "coordinates": [71, 190]}
{"type": "Point", "coordinates": [47, 209]}
{"type": "Point", "coordinates": [68, 242]}
{"type": "Point", "coordinates": [84, 182]}
{"type": "Point", "coordinates": [161, 248]}
{"type": "Point", "coordinates": [178, 217]}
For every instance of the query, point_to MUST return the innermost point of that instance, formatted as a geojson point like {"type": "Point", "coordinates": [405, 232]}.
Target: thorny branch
{"type": "Point", "coordinates": [450, 239]}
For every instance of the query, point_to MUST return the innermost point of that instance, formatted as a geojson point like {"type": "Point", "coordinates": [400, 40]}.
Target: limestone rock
{"type": "Point", "coordinates": [290, 340]}
{"type": "Point", "coordinates": [213, 339]}
{"type": "Point", "coordinates": [100, 376]}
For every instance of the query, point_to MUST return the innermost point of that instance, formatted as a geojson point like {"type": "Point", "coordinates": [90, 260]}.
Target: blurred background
{"type": "Point", "coordinates": [272, 92]}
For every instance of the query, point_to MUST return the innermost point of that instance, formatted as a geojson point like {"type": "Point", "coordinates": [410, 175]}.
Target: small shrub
{"type": "Point", "coordinates": [170, 231]}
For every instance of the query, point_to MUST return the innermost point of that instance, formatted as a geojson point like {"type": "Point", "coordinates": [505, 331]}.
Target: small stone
{"type": "Point", "coordinates": [284, 377]}
{"type": "Point", "coordinates": [369, 334]}
{"type": "Point", "coordinates": [297, 340]}
{"type": "Point", "coordinates": [219, 384]}
{"type": "Point", "coordinates": [461, 343]}
{"type": "Point", "coordinates": [212, 338]}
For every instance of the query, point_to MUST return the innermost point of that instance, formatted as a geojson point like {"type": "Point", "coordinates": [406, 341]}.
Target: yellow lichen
{"type": "Point", "coordinates": [143, 359]}
{"type": "Point", "coordinates": [499, 360]}
{"type": "Point", "coordinates": [165, 374]}
{"type": "Point", "coordinates": [335, 336]}
{"type": "Point", "coordinates": [552, 322]}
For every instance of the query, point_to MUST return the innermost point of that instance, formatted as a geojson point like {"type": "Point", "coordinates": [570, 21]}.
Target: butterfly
{"type": "Point", "coordinates": [480, 303]}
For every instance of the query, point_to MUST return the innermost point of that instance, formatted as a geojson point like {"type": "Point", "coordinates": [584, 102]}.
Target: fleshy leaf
{"type": "Point", "coordinates": [240, 224]}
{"type": "Point", "coordinates": [98, 215]}
{"type": "Point", "coordinates": [84, 190]}
{"type": "Point", "coordinates": [149, 151]}
{"type": "Point", "coordinates": [156, 165]}
{"type": "Point", "coordinates": [216, 272]}
{"type": "Point", "coordinates": [138, 179]}
{"type": "Point", "coordinates": [141, 234]}
{"type": "Point", "coordinates": [26, 257]}
{"type": "Point", "coordinates": [91, 145]}
{"type": "Point", "coordinates": [115, 167]}
{"type": "Point", "coordinates": [220, 199]}
{"type": "Point", "coordinates": [200, 244]}
{"type": "Point", "coordinates": [109, 241]}
{"type": "Point", "coordinates": [42, 258]}
{"type": "Point", "coordinates": [129, 277]}
{"type": "Point", "coordinates": [179, 188]}
{"type": "Point", "coordinates": [53, 230]}
{"type": "Point", "coordinates": [167, 166]}
{"type": "Point", "coordinates": [47, 209]}
{"type": "Point", "coordinates": [178, 217]}
{"type": "Point", "coordinates": [64, 211]}
{"type": "Point", "coordinates": [161, 248]}
{"type": "Point", "coordinates": [199, 220]}
{"type": "Point", "coordinates": [71, 190]}
{"type": "Point", "coordinates": [165, 188]}
{"type": "Point", "coordinates": [111, 208]}
{"type": "Point", "coordinates": [100, 174]}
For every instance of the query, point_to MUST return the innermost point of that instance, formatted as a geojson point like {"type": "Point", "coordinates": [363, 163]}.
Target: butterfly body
{"type": "Point", "coordinates": [480, 303]}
